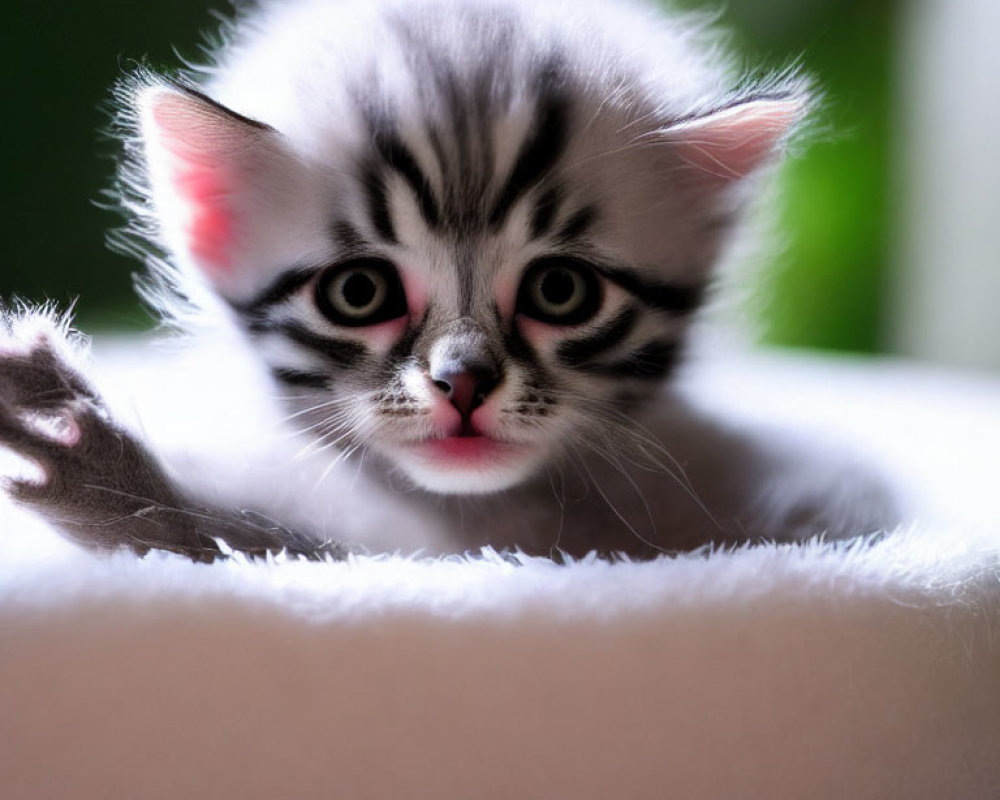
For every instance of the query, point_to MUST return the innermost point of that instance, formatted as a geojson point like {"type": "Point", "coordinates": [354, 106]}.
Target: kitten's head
{"type": "Point", "coordinates": [466, 248]}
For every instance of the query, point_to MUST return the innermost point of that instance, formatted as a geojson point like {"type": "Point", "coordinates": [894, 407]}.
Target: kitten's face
{"type": "Point", "coordinates": [471, 287]}
{"type": "Point", "coordinates": [468, 363]}
{"type": "Point", "coordinates": [471, 342]}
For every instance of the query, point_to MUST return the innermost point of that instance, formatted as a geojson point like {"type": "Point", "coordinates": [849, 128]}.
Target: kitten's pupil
{"type": "Point", "coordinates": [558, 287]}
{"type": "Point", "coordinates": [358, 293]}
{"type": "Point", "coordinates": [359, 289]}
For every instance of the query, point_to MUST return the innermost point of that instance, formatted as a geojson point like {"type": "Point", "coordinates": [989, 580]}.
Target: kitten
{"type": "Point", "coordinates": [466, 240]}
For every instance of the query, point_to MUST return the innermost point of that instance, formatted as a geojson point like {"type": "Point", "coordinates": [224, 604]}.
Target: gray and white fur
{"type": "Point", "coordinates": [465, 239]}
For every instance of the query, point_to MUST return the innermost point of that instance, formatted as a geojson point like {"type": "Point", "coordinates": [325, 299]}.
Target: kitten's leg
{"type": "Point", "coordinates": [102, 487]}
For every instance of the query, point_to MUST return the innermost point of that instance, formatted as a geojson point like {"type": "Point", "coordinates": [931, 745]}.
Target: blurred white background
{"type": "Point", "coordinates": [945, 287]}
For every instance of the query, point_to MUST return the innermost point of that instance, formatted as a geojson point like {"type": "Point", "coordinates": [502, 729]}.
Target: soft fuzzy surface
{"type": "Point", "coordinates": [864, 670]}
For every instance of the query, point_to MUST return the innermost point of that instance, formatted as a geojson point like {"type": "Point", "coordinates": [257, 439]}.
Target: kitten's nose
{"type": "Point", "coordinates": [466, 385]}
{"type": "Point", "coordinates": [463, 365]}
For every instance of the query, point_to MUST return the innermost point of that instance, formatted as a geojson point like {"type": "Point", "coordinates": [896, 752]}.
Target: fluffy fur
{"type": "Point", "coordinates": [465, 241]}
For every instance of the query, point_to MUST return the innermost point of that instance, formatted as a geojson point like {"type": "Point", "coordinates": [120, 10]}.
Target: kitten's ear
{"type": "Point", "coordinates": [727, 145]}
{"type": "Point", "coordinates": [220, 182]}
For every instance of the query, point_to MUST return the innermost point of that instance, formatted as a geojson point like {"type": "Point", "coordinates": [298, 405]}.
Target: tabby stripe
{"type": "Point", "coordinates": [545, 212]}
{"type": "Point", "coordinates": [578, 224]}
{"type": "Point", "coordinates": [378, 204]}
{"type": "Point", "coordinates": [297, 377]}
{"type": "Point", "coordinates": [537, 156]}
{"type": "Point", "coordinates": [670, 297]}
{"type": "Point", "coordinates": [283, 287]}
{"type": "Point", "coordinates": [469, 259]}
{"type": "Point", "coordinates": [517, 347]}
{"type": "Point", "coordinates": [576, 352]}
{"type": "Point", "coordinates": [347, 237]}
{"type": "Point", "coordinates": [341, 352]}
{"type": "Point", "coordinates": [652, 361]}
{"type": "Point", "coordinates": [396, 155]}
{"type": "Point", "coordinates": [402, 349]}
{"type": "Point", "coordinates": [440, 152]}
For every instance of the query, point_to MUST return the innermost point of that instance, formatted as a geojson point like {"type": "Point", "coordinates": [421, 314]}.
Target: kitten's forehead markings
{"type": "Point", "coordinates": [396, 156]}
{"type": "Point", "coordinates": [545, 212]}
{"type": "Point", "coordinates": [493, 142]}
{"type": "Point", "coordinates": [348, 239]}
{"type": "Point", "coordinates": [579, 224]}
{"type": "Point", "coordinates": [377, 197]}
{"type": "Point", "coordinates": [537, 156]}
{"type": "Point", "coordinates": [438, 88]}
{"type": "Point", "coordinates": [463, 96]}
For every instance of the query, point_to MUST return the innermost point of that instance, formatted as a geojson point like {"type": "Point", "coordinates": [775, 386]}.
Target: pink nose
{"type": "Point", "coordinates": [467, 388]}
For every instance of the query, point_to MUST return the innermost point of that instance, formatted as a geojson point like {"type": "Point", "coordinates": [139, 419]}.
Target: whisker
{"type": "Point", "coordinates": [615, 510]}
{"type": "Point", "coordinates": [560, 497]}
{"type": "Point", "coordinates": [646, 450]}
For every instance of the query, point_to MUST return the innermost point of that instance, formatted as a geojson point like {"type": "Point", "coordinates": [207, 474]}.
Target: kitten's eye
{"type": "Point", "coordinates": [362, 291]}
{"type": "Point", "coordinates": [560, 291]}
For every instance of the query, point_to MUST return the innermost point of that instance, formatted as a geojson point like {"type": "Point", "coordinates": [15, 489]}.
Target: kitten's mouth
{"type": "Point", "coordinates": [464, 450]}
{"type": "Point", "coordinates": [467, 464]}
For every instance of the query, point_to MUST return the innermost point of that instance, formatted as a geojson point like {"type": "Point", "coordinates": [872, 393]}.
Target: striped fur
{"type": "Point", "coordinates": [460, 143]}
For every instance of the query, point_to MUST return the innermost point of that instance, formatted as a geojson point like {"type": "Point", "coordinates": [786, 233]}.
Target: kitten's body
{"type": "Point", "coordinates": [465, 240]}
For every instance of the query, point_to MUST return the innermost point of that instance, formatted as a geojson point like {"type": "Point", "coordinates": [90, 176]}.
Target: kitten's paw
{"type": "Point", "coordinates": [100, 486]}
{"type": "Point", "coordinates": [37, 354]}
{"type": "Point", "coordinates": [43, 396]}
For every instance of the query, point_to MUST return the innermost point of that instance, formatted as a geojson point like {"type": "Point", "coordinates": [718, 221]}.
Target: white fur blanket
{"type": "Point", "coordinates": [869, 670]}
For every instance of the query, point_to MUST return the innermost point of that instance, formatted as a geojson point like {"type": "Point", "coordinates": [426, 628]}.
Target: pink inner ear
{"type": "Point", "coordinates": [210, 228]}
{"type": "Point", "coordinates": [197, 168]}
{"type": "Point", "coordinates": [732, 143]}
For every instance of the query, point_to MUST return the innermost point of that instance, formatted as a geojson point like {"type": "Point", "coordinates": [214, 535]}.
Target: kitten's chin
{"type": "Point", "coordinates": [466, 465]}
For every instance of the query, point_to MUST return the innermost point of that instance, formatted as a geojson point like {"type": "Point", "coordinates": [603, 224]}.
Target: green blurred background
{"type": "Point", "coordinates": [826, 290]}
